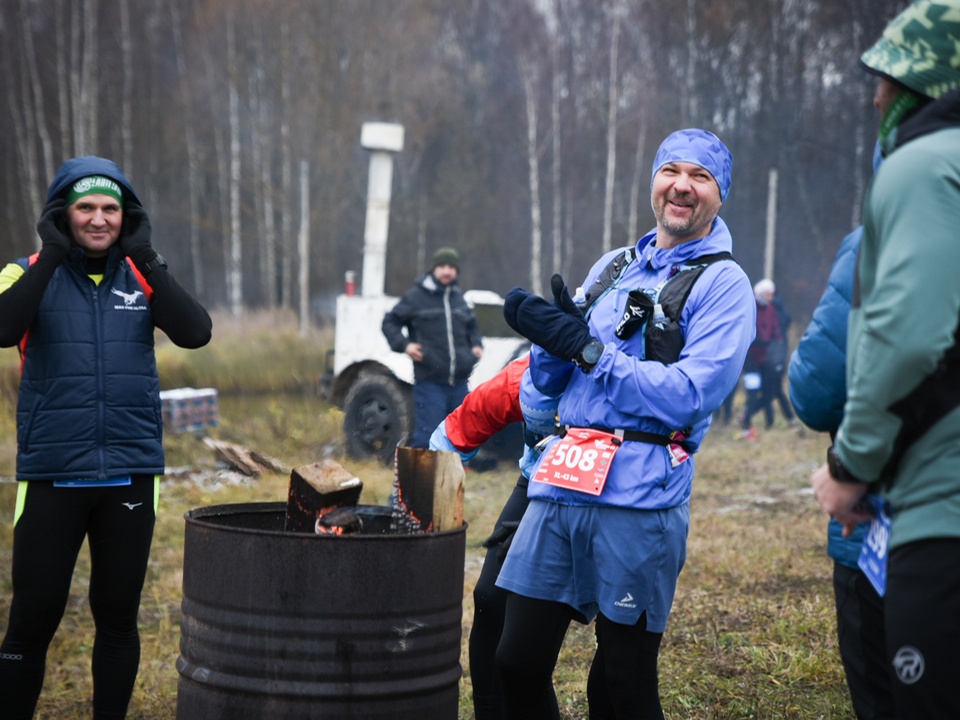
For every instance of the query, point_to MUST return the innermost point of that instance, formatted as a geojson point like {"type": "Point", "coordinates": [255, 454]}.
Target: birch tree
{"type": "Point", "coordinates": [192, 150]}
{"type": "Point", "coordinates": [533, 173]}
{"type": "Point", "coordinates": [235, 263]}
{"type": "Point", "coordinates": [611, 133]}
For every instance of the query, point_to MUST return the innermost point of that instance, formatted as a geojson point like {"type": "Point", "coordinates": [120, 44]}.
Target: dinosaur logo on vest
{"type": "Point", "coordinates": [129, 300]}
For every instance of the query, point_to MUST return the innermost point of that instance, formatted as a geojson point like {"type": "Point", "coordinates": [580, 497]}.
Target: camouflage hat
{"type": "Point", "coordinates": [920, 48]}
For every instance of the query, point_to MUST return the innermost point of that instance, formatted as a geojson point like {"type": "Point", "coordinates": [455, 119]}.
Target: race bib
{"type": "Point", "coordinates": [579, 461]}
{"type": "Point", "coordinates": [873, 554]}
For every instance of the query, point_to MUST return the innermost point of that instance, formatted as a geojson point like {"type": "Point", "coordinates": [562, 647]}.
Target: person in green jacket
{"type": "Point", "coordinates": [896, 457]}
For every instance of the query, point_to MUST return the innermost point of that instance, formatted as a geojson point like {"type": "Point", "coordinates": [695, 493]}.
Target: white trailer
{"type": "Point", "coordinates": [370, 382]}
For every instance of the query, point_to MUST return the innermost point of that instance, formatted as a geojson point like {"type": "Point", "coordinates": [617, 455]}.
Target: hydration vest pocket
{"type": "Point", "coordinates": [663, 341]}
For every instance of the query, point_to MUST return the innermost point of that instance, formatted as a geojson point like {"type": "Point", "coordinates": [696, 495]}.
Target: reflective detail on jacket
{"type": "Point", "coordinates": [624, 391]}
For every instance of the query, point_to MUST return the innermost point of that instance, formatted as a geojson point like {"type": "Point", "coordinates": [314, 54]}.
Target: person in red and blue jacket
{"type": "Point", "coordinates": [89, 431]}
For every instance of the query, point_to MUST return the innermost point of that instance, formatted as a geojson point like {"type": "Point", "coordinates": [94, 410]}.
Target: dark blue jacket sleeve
{"type": "Point", "coordinates": [817, 372]}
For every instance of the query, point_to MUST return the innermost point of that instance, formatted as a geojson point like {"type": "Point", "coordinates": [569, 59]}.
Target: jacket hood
{"type": "Point", "coordinates": [81, 167]}
{"type": "Point", "coordinates": [429, 283]}
{"type": "Point", "coordinates": [937, 115]}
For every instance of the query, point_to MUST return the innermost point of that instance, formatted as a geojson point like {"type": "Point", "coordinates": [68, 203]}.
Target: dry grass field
{"type": "Point", "coordinates": [752, 634]}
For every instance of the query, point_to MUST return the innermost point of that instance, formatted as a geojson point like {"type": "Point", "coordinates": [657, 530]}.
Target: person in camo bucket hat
{"type": "Point", "coordinates": [900, 430]}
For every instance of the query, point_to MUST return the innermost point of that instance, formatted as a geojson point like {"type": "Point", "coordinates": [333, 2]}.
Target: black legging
{"type": "Point", "coordinates": [489, 604]}
{"type": "Point", "coordinates": [623, 682]}
{"type": "Point", "coordinates": [46, 540]}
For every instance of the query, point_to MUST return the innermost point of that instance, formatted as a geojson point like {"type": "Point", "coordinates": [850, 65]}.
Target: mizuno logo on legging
{"type": "Point", "coordinates": [131, 506]}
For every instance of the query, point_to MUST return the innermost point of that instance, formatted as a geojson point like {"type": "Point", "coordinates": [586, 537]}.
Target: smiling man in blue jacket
{"type": "Point", "coordinates": [604, 535]}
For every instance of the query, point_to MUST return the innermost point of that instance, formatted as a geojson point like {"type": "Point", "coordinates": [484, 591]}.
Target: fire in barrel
{"type": "Point", "coordinates": [325, 607]}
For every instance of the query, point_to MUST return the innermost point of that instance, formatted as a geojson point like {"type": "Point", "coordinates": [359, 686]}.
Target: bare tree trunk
{"type": "Point", "coordinates": [76, 43]}
{"type": "Point", "coordinates": [63, 80]}
{"type": "Point", "coordinates": [304, 248]}
{"type": "Point", "coordinates": [611, 134]}
{"type": "Point", "coordinates": [636, 184]}
{"type": "Point", "coordinates": [286, 169]}
{"type": "Point", "coordinates": [89, 91]}
{"type": "Point", "coordinates": [126, 102]}
{"type": "Point", "coordinates": [422, 231]}
{"type": "Point", "coordinates": [26, 152]}
{"type": "Point", "coordinates": [257, 142]}
{"type": "Point", "coordinates": [222, 160]}
{"type": "Point", "coordinates": [859, 137]}
{"type": "Point", "coordinates": [689, 106]}
{"type": "Point", "coordinates": [33, 97]}
{"type": "Point", "coordinates": [556, 225]}
{"type": "Point", "coordinates": [269, 244]}
{"type": "Point", "coordinates": [536, 241]}
{"type": "Point", "coordinates": [193, 159]}
{"type": "Point", "coordinates": [235, 269]}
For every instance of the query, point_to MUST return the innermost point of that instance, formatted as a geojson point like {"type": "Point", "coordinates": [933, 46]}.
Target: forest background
{"type": "Point", "coordinates": [530, 129]}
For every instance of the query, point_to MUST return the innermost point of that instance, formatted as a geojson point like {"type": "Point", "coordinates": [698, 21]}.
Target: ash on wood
{"type": "Point", "coordinates": [315, 488]}
{"type": "Point", "coordinates": [427, 491]}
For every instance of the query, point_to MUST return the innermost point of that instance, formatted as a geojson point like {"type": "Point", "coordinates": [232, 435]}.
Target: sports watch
{"type": "Point", "coordinates": [589, 355]}
{"type": "Point", "coordinates": [837, 469]}
{"type": "Point", "coordinates": [158, 261]}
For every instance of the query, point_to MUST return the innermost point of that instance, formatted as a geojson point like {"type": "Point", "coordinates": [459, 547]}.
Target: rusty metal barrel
{"type": "Point", "coordinates": [297, 626]}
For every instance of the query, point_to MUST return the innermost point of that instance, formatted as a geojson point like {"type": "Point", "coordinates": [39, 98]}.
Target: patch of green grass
{"type": "Point", "coordinates": [752, 633]}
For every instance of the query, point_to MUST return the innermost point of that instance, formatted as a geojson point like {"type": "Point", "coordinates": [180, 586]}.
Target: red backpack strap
{"type": "Point", "coordinates": [147, 290]}
{"type": "Point", "coordinates": [22, 346]}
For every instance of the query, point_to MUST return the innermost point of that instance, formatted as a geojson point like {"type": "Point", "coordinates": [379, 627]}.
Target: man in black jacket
{"type": "Point", "coordinates": [442, 338]}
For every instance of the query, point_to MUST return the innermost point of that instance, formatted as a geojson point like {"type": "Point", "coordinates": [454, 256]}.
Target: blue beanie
{"type": "Point", "coordinates": [700, 148]}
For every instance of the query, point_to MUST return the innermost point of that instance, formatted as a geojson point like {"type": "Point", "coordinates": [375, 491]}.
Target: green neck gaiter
{"type": "Point", "coordinates": [905, 102]}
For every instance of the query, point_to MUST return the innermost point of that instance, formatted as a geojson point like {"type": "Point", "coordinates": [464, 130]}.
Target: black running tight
{"type": "Point", "coordinates": [47, 537]}
{"type": "Point", "coordinates": [623, 682]}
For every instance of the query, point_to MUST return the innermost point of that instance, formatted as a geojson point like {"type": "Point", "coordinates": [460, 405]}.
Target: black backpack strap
{"type": "Point", "coordinates": [675, 293]}
{"type": "Point", "coordinates": [934, 398]}
{"type": "Point", "coordinates": [608, 276]}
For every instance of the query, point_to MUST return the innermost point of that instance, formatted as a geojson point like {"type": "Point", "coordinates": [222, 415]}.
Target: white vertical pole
{"type": "Point", "coordinates": [379, 187]}
{"type": "Point", "coordinates": [771, 242]}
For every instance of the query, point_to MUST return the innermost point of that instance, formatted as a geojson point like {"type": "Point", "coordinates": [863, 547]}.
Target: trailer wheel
{"type": "Point", "coordinates": [376, 417]}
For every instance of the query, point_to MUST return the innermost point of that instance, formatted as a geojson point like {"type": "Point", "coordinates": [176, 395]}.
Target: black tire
{"type": "Point", "coordinates": [376, 417]}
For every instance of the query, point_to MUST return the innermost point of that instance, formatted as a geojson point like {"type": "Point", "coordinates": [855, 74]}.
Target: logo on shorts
{"type": "Point", "coordinates": [131, 506]}
{"type": "Point", "coordinates": [908, 664]}
{"type": "Point", "coordinates": [627, 602]}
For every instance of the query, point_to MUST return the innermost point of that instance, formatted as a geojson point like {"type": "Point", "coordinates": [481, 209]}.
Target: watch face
{"type": "Point", "coordinates": [592, 353]}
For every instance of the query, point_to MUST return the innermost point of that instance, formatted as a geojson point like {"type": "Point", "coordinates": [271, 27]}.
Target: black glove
{"type": "Point", "coordinates": [559, 333]}
{"type": "Point", "coordinates": [561, 296]}
{"type": "Point", "coordinates": [135, 235]}
{"type": "Point", "coordinates": [502, 536]}
{"type": "Point", "coordinates": [510, 305]}
{"type": "Point", "coordinates": [51, 227]}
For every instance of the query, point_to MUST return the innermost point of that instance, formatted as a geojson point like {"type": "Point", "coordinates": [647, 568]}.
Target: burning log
{"type": "Point", "coordinates": [318, 489]}
{"type": "Point", "coordinates": [427, 491]}
{"type": "Point", "coordinates": [338, 521]}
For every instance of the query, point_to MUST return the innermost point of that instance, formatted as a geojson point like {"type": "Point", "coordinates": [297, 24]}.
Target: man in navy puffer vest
{"type": "Point", "coordinates": [89, 432]}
